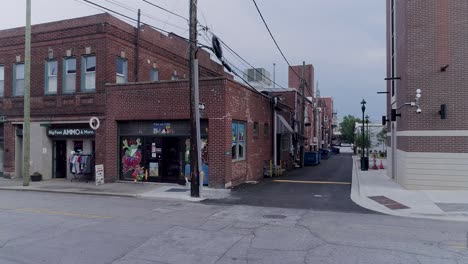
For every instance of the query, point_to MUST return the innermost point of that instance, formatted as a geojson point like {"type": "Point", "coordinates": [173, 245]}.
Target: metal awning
{"type": "Point", "coordinates": [282, 126]}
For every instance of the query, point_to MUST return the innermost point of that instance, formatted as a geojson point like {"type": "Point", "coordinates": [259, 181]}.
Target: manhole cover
{"type": "Point", "coordinates": [176, 190]}
{"type": "Point", "coordinates": [274, 216]}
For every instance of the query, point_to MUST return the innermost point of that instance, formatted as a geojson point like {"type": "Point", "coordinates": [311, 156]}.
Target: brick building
{"type": "Point", "coordinates": [89, 67]}
{"type": "Point", "coordinates": [427, 44]}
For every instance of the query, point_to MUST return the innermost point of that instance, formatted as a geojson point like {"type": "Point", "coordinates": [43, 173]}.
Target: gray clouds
{"type": "Point", "coordinates": [343, 39]}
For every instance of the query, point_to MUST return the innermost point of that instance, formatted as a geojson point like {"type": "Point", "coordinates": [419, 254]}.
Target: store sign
{"type": "Point", "coordinates": [99, 174]}
{"type": "Point", "coordinates": [70, 132]}
{"type": "Point", "coordinates": [162, 129]}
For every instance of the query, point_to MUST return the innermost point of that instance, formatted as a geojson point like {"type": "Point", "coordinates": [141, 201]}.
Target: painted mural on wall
{"type": "Point", "coordinates": [131, 159]}
{"type": "Point", "coordinates": [204, 156]}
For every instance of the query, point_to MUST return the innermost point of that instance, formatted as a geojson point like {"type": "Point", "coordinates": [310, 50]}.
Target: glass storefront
{"type": "Point", "coordinates": [156, 151]}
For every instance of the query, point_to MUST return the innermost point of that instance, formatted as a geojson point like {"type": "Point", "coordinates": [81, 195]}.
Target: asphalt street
{"type": "Point", "coordinates": [323, 187]}
{"type": "Point", "coordinates": [58, 228]}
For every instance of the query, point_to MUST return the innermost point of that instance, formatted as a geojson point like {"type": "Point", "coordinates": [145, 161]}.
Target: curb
{"type": "Point", "coordinates": [20, 189]}
{"type": "Point", "coordinates": [362, 201]}
{"type": "Point", "coordinates": [72, 192]}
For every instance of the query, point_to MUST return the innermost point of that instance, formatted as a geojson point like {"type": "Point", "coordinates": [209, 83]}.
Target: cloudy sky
{"type": "Point", "coordinates": [343, 39]}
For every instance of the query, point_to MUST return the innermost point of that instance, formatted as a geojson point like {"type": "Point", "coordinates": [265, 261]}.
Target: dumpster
{"type": "Point", "coordinates": [336, 150]}
{"type": "Point", "coordinates": [311, 158]}
{"type": "Point", "coordinates": [324, 153]}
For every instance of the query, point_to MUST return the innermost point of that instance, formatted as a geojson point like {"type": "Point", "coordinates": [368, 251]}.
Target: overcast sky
{"type": "Point", "coordinates": [343, 39]}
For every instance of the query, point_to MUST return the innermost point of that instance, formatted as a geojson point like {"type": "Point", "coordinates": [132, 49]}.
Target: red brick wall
{"type": "Point", "coordinates": [225, 101]}
{"type": "Point", "coordinates": [432, 34]}
{"type": "Point", "coordinates": [295, 80]}
{"type": "Point", "coordinates": [248, 106]}
{"type": "Point", "coordinates": [108, 37]}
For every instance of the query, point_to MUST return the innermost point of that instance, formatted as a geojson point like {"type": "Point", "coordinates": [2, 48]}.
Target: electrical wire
{"type": "Point", "coordinates": [102, 10]}
{"type": "Point", "coordinates": [132, 19]}
{"type": "Point", "coordinates": [131, 9]}
{"type": "Point", "coordinates": [244, 61]}
{"type": "Point", "coordinates": [164, 9]}
{"type": "Point", "coordinates": [276, 43]}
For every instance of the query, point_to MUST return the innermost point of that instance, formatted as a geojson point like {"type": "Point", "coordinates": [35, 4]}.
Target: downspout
{"type": "Point", "coordinates": [137, 47]}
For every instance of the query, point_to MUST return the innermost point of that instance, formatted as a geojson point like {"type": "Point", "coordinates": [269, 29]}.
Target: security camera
{"type": "Point", "coordinates": [418, 111]}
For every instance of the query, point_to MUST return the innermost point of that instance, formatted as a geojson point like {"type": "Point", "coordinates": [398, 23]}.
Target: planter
{"type": "Point", "coordinates": [36, 177]}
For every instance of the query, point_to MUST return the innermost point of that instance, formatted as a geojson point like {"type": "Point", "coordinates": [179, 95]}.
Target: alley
{"type": "Point", "coordinates": [324, 187]}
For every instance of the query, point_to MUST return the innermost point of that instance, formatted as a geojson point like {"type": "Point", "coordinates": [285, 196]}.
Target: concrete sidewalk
{"type": "Point", "coordinates": [124, 189]}
{"type": "Point", "coordinates": [386, 194]}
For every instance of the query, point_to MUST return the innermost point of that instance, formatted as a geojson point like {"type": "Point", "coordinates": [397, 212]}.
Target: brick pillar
{"type": "Point", "coordinates": [218, 144]}
{"type": "Point", "coordinates": [9, 150]}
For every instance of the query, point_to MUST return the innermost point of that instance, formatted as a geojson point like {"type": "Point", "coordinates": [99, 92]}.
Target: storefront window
{"type": "Point", "coordinates": [238, 141]}
{"type": "Point", "coordinates": [131, 156]}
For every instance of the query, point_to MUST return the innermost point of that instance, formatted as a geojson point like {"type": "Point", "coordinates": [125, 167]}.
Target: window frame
{"type": "Point", "coordinates": [2, 80]}
{"type": "Point", "coordinates": [255, 129]}
{"type": "Point", "coordinates": [154, 72]}
{"type": "Point", "coordinates": [237, 141]}
{"type": "Point", "coordinates": [266, 130]}
{"type": "Point", "coordinates": [65, 74]}
{"type": "Point", "coordinates": [85, 72]}
{"type": "Point", "coordinates": [15, 79]}
{"type": "Point", "coordinates": [47, 76]}
{"type": "Point", "coordinates": [124, 69]}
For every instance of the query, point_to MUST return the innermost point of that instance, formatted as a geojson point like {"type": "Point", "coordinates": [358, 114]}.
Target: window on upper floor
{"type": "Point", "coordinates": [154, 74]}
{"type": "Point", "coordinates": [69, 75]}
{"type": "Point", "coordinates": [51, 73]}
{"type": "Point", "coordinates": [121, 70]}
{"type": "Point", "coordinates": [238, 141]}
{"type": "Point", "coordinates": [266, 130]}
{"type": "Point", "coordinates": [255, 129]}
{"type": "Point", "coordinates": [2, 80]}
{"type": "Point", "coordinates": [88, 73]}
{"type": "Point", "coordinates": [18, 80]}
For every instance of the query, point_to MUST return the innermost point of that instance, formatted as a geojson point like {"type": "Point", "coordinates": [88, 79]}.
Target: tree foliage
{"type": "Point", "coordinates": [347, 128]}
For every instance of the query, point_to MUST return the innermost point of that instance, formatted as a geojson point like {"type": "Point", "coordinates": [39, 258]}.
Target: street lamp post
{"type": "Point", "coordinates": [367, 140]}
{"type": "Point", "coordinates": [363, 159]}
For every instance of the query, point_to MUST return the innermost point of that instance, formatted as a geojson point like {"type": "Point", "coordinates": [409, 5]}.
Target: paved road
{"type": "Point", "coordinates": [57, 228]}
{"type": "Point", "coordinates": [323, 187]}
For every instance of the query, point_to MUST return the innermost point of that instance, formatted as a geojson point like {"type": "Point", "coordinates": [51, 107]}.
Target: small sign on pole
{"type": "Point", "coordinates": [201, 106]}
{"type": "Point", "coordinates": [99, 169]}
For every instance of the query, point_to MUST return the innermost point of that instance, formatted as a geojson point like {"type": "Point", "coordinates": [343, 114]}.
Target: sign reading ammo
{"type": "Point", "coordinates": [70, 132]}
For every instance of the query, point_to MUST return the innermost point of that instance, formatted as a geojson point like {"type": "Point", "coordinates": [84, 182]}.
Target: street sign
{"type": "Point", "coordinates": [201, 106]}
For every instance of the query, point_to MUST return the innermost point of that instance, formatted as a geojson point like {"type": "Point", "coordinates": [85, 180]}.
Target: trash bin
{"type": "Point", "coordinates": [325, 153]}
{"type": "Point", "coordinates": [311, 158]}
{"type": "Point", "coordinates": [364, 163]}
{"type": "Point", "coordinates": [336, 150]}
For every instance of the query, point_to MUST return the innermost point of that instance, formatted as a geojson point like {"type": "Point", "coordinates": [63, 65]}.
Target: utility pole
{"type": "Point", "coordinates": [194, 153]}
{"type": "Point", "coordinates": [303, 116]}
{"type": "Point", "coordinates": [137, 50]}
{"type": "Point", "coordinates": [27, 88]}
{"type": "Point", "coordinates": [274, 75]}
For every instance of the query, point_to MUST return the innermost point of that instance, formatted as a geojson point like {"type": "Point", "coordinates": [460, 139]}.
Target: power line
{"type": "Point", "coordinates": [274, 40]}
{"type": "Point", "coordinates": [164, 9]}
{"type": "Point", "coordinates": [129, 8]}
{"type": "Point", "coordinates": [130, 18]}
{"type": "Point", "coordinates": [102, 10]}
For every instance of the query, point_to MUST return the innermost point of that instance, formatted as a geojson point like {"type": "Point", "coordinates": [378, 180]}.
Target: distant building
{"type": "Point", "coordinates": [258, 77]}
{"type": "Point", "coordinates": [427, 44]}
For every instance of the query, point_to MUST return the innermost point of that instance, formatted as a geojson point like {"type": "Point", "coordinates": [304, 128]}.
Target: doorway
{"type": "Point", "coordinates": [60, 158]}
{"type": "Point", "coordinates": [171, 162]}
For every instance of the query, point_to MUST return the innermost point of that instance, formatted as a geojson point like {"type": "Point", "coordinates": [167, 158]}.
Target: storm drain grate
{"type": "Point", "coordinates": [274, 216]}
{"type": "Point", "coordinates": [387, 202]}
{"type": "Point", "coordinates": [177, 190]}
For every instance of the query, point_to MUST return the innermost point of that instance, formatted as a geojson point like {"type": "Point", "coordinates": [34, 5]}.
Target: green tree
{"type": "Point", "coordinates": [347, 128]}
{"type": "Point", "coordinates": [382, 136]}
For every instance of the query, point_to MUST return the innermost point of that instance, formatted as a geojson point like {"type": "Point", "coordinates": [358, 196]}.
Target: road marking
{"type": "Point", "coordinates": [50, 212]}
{"type": "Point", "coordinates": [313, 182]}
